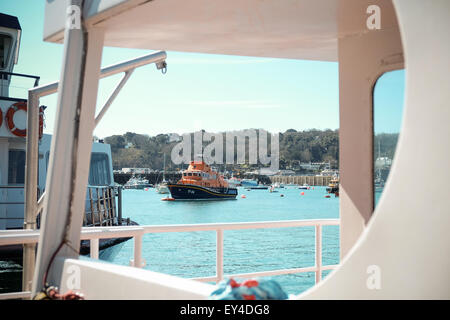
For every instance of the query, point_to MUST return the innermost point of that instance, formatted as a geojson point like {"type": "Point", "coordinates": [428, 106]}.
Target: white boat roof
{"type": "Point", "coordinates": [295, 29]}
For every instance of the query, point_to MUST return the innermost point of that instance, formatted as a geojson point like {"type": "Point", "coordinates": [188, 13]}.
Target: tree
{"type": "Point", "coordinates": [295, 147]}
{"type": "Point", "coordinates": [116, 142]}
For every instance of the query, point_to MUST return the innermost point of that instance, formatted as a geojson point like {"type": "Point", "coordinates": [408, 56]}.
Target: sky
{"type": "Point", "coordinates": [388, 99]}
{"type": "Point", "coordinates": [199, 91]}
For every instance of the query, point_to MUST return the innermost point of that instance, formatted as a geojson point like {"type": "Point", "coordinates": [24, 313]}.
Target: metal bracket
{"type": "Point", "coordinates": [162, 65]}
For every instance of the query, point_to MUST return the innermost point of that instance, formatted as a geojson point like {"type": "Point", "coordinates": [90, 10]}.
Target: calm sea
{"type": "Point", "coordinates": [193, 254]}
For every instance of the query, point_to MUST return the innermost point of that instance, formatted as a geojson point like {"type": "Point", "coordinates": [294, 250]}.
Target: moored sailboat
{"type": "Point", "coordinates": [162, 187]}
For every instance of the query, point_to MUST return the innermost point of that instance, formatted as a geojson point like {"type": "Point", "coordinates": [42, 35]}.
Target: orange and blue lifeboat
{"type": "Point", "coordinates": [200, 182]}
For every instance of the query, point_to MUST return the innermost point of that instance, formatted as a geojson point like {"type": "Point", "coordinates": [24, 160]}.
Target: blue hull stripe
{"type": "Point", "coordinates": [191, 192]}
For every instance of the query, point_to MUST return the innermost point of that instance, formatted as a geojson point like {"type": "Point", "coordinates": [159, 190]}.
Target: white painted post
{"type": "Point", "coordinates": [219, 255]}
{"type": "Point", "coordinates": [95, 243]}
{"type": "Point", "coordinates": [138, 262]}
{"type": "Point", "coordinates": [31, 183]}
{"type": "Point", "coordinates": [70, 151]}
{"type": "Point", "coordinates": [318, 253]}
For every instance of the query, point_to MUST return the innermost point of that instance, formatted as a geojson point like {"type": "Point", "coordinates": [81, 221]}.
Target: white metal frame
{"type": "Point", "coordinates": [61, 226]}
{"type": "Point", "coordinates": [32, 205]}
{"type": "Point", "coordinates": [137, 233]}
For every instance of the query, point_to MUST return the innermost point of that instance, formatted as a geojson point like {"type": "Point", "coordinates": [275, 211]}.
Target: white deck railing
{"type": "Point", "coordinates": [10, 237]}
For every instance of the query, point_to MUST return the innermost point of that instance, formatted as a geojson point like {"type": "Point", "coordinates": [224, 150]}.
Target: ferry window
{"type": "Point", "coordinates": [5, 47]}
{"type": "Point", "coordinates": [16, 167]}
{"type": "Point", "coordinates": [388, 98]}
{"type": "Point", "coordinates": [99, 172]}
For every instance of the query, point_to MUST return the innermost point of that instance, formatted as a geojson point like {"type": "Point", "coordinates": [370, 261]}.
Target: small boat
{"type": "Point", "coordinates": [259, 187]}
{"type": "Point", "coordinates": [248, 183]}
{"type": "Point", "coordinates": [304, 187]}
{"type": "Point", "coordinates": [234, 182]}
{"type": "Point", "coordinates": [378, 182]}
{"type": "Point", "coordinates": [277, 185]}
{"type": "Point", "coordinates": [333, 187]}
{"type": "Point", "coordinates": [200, 182]}
{"type": "Point", "coordinates": [162, 187]}
{"type": "Point", "coordinates": [137, 183]}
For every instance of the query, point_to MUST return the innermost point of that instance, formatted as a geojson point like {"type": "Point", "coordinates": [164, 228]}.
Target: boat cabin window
{"type": "Point", "coordinates": [5, 48]}
{"type": "Point", "coordinates": [16, 167]}
{"type": "Point", "coordinates": [99, 172]}
{"type": "Point", "coordinates": [388, 98]}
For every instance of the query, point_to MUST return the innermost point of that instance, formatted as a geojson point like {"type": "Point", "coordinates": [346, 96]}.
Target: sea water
{"type": "Point", "coordinates": [193, 254]}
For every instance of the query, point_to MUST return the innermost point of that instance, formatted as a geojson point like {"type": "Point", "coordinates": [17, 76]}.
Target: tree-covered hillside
{"type": "Point", "coordinates": [295, 147]}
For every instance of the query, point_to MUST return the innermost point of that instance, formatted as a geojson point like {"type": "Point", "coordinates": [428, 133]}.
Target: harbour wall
{"type": "Point", "coordinates": [301, 180]}
{"type": "Point", "coordinates": [156, 177]}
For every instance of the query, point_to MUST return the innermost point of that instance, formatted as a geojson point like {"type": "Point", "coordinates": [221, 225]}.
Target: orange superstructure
{"type": "Point", "coordinates": [199, 173]}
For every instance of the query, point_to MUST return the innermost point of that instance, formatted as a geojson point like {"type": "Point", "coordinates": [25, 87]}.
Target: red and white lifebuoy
{"type": "Point", "coordinates": [41, 121]}
{"type": "Point", "coordinates": [22, 105]}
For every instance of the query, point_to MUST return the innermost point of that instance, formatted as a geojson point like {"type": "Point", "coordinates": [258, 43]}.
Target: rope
{"type": "Point", "coordinates": [52, 293]}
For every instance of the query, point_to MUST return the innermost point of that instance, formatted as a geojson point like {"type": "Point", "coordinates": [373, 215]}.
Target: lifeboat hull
{"type": "Point", "coordinates": [193, 192]}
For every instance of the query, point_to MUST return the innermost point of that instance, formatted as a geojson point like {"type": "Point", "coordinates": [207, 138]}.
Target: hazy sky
{"type": "Point", "coordinates": [199, 91]}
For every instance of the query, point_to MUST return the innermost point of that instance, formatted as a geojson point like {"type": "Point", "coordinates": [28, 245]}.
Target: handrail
{"type": "Point", "coordinates": [137, 232]}
{"type": "Point", "coordinates": [34, 94]}
{"type": "Point", "coordinates": [36, 78]}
